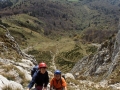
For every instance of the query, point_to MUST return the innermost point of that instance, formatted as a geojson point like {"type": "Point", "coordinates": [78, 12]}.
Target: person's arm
{"type": "Point", "coordinates": [65, 88]}
{"type": "Point", "coordinates": [64, 84]}
{"type": "Point", "coordinates": [51, 84]}
{"type": "Point", "coordinates": [51, 87]}
{"type": "Point", "coordinates": [32, 81]}
{"type": "Point", "coordinates": [44, 88]}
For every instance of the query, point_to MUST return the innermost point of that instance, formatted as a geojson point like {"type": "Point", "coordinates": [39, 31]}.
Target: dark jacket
{"type": "Point", "coordinates": [39, 79]}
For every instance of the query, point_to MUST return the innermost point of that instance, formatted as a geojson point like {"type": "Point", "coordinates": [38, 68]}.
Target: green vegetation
{"type": "Point", "coordinates": [115, 77]}
{"type": "Point", "coordinates": [6, 47]}
{"type": "Point", "coordinates": [42, 56]}
{"type": "Point", "coordinates": [67, 14]}
{"type": "Point", "coordinates": [91, 49]}
{"type": "Point", "coordinates": [66, 60]}
{"type": "Point", "coordinates": [68, 49]}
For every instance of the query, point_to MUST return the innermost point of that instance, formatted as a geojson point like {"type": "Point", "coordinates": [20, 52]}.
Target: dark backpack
{"type": "Point", "coordinates": [35, 68]}
{"type": "Point", "coordinates": [63, 76]}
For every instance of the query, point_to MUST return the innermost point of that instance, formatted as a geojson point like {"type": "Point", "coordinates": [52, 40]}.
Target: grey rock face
{"type": "Point", "coordinates": [16, 46]}
{"type": "Point", "coordinates": [101, 63]}
{"type": "Point", "coordinates": [6, 83]}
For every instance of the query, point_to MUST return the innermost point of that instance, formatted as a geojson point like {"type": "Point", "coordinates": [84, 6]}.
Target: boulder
{"type": "Point", "coordinates": [69, 75]}
{"type": "Point", "coordinates": [115, 86]}
{"type": "Point", "coordinates": [27, 62]}
{"type": "Point", "coordinates": [3, 82]}
{"type": "Point", "coordinates": [27, 75]}
{"type": "Point", "coordinates": [11, 84]}
{"type": "Point", "coordinates": [15, 86]}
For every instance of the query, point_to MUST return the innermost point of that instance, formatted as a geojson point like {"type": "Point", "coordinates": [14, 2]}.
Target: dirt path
{"type": "Point", "coordinates": [53, 60]}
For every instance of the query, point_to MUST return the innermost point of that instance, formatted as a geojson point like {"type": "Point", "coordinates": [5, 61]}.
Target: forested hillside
{"type": "Point", "coordinates": [67, 15]}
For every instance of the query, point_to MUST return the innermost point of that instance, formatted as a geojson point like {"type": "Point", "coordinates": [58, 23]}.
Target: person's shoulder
{"type": "Point", "coordinates": [53, 79]}
{"type": "Point", "coordinates": [63, 78]}
{"type": "Point", "coordinates": [46, 72]}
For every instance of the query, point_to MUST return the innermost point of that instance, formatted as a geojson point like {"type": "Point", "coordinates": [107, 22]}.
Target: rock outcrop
{"type": "Point", "coordinates": [103, 62]}
{"type": "Point", "coordinates": [15, 45]}
{"type": "Point", "coordinates": [6, 84]}
{"type": "Point", "coordinates": [18, 67]}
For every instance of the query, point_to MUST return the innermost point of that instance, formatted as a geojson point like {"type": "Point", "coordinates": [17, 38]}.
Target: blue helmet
{"type": "Point", "coordinates": [57, 72]}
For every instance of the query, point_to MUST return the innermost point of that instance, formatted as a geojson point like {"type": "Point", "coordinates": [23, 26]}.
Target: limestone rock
{"type": "Point", "coordinates": [15, 86]}
{"type": "Point", "coordinates": [27, 75]}
{"type": "Point", "coordinates": [69, 75]}
{"type": "Point", "coordinates": [6, 83]}
{"type": "Point", "coordinates": [3, 82]}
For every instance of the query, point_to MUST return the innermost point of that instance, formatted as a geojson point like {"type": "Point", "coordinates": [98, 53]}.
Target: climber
{"type": "Point", "coordinates": [58, 82]}
{"type": "Point", "coordinates": [40, 78]}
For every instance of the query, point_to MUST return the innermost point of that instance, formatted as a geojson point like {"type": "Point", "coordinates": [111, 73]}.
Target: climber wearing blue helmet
{"type": "Point", "coordinates": [57, 72]}
{"type": "Point", "coordinates": [57, 82]}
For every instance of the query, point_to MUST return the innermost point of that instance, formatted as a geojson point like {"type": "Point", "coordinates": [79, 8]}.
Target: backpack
{"type": "Point", "coordinates": [63, 76]}
{"type": "Point", "coordinates": [35, 68]}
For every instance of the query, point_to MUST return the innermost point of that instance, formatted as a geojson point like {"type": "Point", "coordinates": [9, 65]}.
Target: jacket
{"type": "Point", "coordinates": [58, 84]}
{"type": "Point", "coordinates": [39, 79]}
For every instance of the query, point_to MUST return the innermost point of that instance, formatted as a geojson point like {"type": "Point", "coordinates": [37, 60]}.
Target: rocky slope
{"type": "Point", "coordinates": [96, 71]}
{"type": "Point", "coordinates": [13, 61]}
{"type": "Point", "coordinates": [103, 65]}
{"type": "Point", "coordinates": [16, 63]}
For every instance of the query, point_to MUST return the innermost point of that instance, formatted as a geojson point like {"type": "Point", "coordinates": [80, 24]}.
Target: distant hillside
{"type": "Point", "coordinates": [5, 3]}
{"type": "Point", "coordinates": [68, 15]}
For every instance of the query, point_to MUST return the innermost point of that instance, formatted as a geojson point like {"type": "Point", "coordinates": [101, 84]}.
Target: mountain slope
{"type": "Point", "coordinates": [103, 64]}
{"type": "Point", "coordinates": [70, 15]}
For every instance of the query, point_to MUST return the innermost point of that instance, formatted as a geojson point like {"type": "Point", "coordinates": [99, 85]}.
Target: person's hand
{"type": "Point", "coordinates": [45, 88]}
{"type": "Point", "coordinates": [27, 89]}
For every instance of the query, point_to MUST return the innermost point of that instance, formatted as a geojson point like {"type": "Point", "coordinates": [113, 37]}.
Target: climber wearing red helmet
{"type": "Point", "coordinates": [40, 78]}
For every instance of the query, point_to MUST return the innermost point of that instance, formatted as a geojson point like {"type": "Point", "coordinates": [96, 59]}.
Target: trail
{"type": "Point", "coordinates": [53, 62]}
{"type": "Point", "coordinates": [95, 44]}
{"type": "Point", "coordinates": [29, 47]}
{"type": "Point", "coordinates": [53, 58]}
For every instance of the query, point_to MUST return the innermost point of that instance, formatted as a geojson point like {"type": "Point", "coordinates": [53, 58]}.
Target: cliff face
{"type": "Point", "coordinates": [10, 48]}
{"type": "Point", "coordinates": [13, 61]}
{"type": "Point", "coordinates": [102, 64]}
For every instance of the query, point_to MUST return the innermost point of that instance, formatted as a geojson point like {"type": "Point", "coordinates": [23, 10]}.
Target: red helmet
{"type": "Point", "coordinates": [42, 65]}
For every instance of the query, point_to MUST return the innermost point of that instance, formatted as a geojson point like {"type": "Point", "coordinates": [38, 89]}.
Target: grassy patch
{"type": "Point", "coordinates": [115, 76]}
{"type": "Point", "coordinates": [66, 60]}
{"type": "Point", "coordinates": [91, 49]}
{"type": "Point", "coordinates": [24, 20]}
{"type": "Point", "coordinates": [41, 56]}
{"type": "Point", "coordinates": [14, 75]}
{"type": "Point", "coordinates": [9, 88]}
